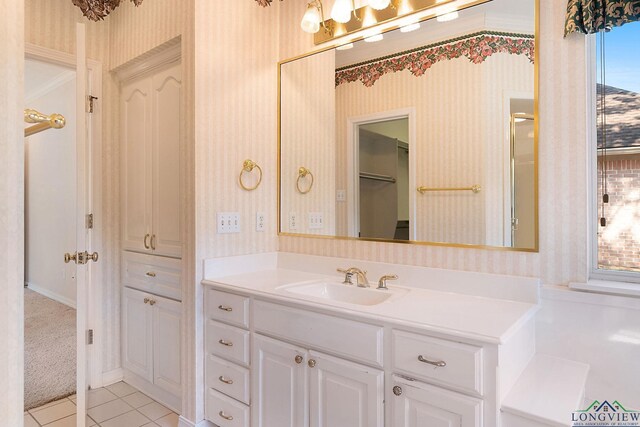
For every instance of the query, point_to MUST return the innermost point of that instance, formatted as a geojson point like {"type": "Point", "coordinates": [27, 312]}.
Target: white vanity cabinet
{"type": "Point", "coordinates": [151, 346]}
{"type": "Point", "coordinates": [275, 363]}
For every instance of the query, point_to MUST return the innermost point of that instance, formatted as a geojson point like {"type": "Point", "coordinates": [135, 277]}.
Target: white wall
{"type": "Point", "coordinates": [50, 182]}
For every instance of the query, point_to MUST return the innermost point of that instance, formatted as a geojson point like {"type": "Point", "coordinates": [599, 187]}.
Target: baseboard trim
{"type": "Point", "coordinates": [183, 422]}
{"type": "Point", "coordinates": [112, 377]}
{"type": "Point", "coordinates": [47, 293]}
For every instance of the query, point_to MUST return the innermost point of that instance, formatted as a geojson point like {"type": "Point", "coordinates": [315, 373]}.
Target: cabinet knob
{"type": "Point", "coordinates": [299, 359]}
{"type": "Point", "coordinates": [152, 302]}
{"type": "Point", "coordinates": [146, 300]}
{"type": "Point", "coordinates": [225, 308]}
{"type": "Point", "coordinates": [227, 343]}
{"type": "Point", "coordinates": [311, 363]}
{"type": "Point", "coordinates": [150, 274]}
{"type": "Point", "coordinates": [397, 390]}
{"type": "Point", "coordinates": [225, 416]}
{"type": "Point", "coordinates": [225, 380]}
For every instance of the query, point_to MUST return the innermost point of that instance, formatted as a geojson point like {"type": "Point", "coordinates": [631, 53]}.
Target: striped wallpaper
{"type": "Point", "coordinates": [11, 208]}
{"type": "Point", "coordinates": [563, 175]}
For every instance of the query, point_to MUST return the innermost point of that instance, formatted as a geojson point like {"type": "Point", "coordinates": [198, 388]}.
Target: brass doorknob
{"type": "Point", "coordinates": [93, 257]}
{"type": "Point", "coordinates": [70, 257]}
{"type": "Point", "coordinates": [299, 359]}
{"type": "Point", "coordinates": [311, 363]}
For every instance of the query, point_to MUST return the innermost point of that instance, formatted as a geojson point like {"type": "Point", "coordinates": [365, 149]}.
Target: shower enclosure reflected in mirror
{"type": "Point", "coordinates": [423, 136]}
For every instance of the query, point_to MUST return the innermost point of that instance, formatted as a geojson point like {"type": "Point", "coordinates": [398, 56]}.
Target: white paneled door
{"type": "Point", "coordinates": [137, 333]}
{"type": "Point", "coordinates": [279, 377]}
{"type": "Point", "coordinates": [167, 315]}
{"type": "Point", "coordinates": [344, 393]}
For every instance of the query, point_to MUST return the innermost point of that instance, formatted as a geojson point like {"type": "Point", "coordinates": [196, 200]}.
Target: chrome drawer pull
{"type": "Point", "coordinates": [224, 380]}
{"type": "Point", "coordinates": [226, 417]}
{"type": "Point", "coordinates": [227, 343]}
{"type": "Point", "coordinates": [150, 274]}
{"type": "Point", "coordinates": [439, 363]}
{"type": "Point", "coordinates": [225, 308]}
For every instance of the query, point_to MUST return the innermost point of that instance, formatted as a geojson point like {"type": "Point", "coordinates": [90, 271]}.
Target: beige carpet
{"type": "Point", "coordinates": [49, 350]}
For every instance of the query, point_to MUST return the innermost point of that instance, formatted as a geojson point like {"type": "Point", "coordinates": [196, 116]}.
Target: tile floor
{"type": "Point", "coordinates": [117, 405]}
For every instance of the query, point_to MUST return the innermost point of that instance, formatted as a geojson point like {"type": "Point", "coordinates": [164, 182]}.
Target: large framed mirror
{"type": "Point", "coordinates": [423, 134]}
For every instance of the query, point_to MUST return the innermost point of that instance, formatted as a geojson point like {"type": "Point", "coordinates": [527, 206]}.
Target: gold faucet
{"type": "Point", "coordinates": [361, 276]}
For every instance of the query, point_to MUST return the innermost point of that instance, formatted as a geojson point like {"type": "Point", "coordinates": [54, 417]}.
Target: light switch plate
{"type": "Point", "coordinates": [316, 220]}
{"type": "Point", "coordinates": [341, 195]}
{"type": "Point", "coordinates": [293, 221]}
{"type": "Point", "coordinates": [228, 222]}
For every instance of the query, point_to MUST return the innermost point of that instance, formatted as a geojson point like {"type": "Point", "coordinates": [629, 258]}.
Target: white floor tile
{"type": "Point", "coordinates": [99, 397]}
{"type": "Point", "coordinates": [109, 410]}
{"type": "Point", "coordinates": [121, 389]}
{"type": "Point", "coordinates": [150, 425]}
{"type": "Point", "coordinates": [130, 419]}
{"type": "Point", "coordinates": [29, 421]}
{"type": "Point", "coordinates": [170, 420]}
{"type": "Point", "coordinates": [137, 399]}
{"type": "Point", "coordinates": [53, 413]}
{"type": "Point", "coordinates": [69, 421]}
{"type": "Point", "coordinates": [154, 411]}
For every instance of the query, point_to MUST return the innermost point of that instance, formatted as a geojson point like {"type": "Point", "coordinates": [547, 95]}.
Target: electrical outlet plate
{"type": "Point", "coordinates": [260, 221]}
{"type": "Point", "coordinates": [316, 220]}
{"type": "Point", "coordinates": [228, 222]}
{"type": "Point", "coordinates": [341, 195]}
{"type": "Point", "coordinates": [293, 221]}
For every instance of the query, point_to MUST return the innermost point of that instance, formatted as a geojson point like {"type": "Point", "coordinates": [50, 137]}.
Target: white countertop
{"type": "Point", "coordinates": [470, 317]}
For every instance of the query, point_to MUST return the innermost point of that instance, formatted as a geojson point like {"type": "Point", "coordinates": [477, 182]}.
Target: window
{"type": "Point", "coordinates": [617, 107]}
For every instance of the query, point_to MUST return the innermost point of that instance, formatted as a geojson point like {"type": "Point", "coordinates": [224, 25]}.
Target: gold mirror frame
{"type": "Point", "coordinates": [536, 93]}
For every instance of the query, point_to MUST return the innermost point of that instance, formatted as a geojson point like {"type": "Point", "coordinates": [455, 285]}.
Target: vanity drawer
{"type": "Point", "coordinates": [228, 378]}
{"type": "Point", "coordinates": [224, 411]}
{"type": "Point", "coordinates": [152, 273]}
{"type": "Point", "coordinates": [226, 307]}
{"type": "Point", "coordinates": [356, 340]}
{"type": "Point", "coordinates": [228, 342]}
{"type": "Point", "coordinates": [463, 370]}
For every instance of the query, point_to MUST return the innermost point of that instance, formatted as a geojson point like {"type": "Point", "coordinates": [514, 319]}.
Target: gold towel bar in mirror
{"type": "Point", "coordinates": [303, 173]}
{"type": "Point", "coordinates": [248, 166]}
{"type": "Point", "coordinates": [43, 122]}
{"type": "Point", "coordinates": [475, 188]}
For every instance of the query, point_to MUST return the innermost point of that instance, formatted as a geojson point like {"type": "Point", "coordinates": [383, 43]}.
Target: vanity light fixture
{"type": "Point", "coordinates": [345, 46]}
{"type": "Point", "coordinates": [448, 16]}
{"type": "Point", "coordinates": [313, 18]}
{"type": "Point", "coordinates": [374, 38]}
{"type": "Point", "coordinates": [342, 10]}
{"type": "Point", "coordinates": [410, 27]}
{"type": "Point", "coordinates": [379, 4]}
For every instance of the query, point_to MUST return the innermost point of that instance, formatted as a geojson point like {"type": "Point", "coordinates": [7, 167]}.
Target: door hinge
{"type": "Point", "coordinates": [90, 100]}
{"type": "Point", "coordinates": [89, 221]}
{"type": "Point", "coordinates": [90, 336]}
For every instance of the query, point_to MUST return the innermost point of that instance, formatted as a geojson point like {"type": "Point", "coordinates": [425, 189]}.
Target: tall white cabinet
{"type": "Point", "coordinates": [152, 229]}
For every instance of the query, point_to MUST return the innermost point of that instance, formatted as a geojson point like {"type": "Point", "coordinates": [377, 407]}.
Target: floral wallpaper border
{"type": "Point", "coordinates": [476, 47]}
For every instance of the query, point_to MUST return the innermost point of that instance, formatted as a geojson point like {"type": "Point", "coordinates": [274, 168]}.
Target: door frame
{"type": "Point", "coordinates": [94, 199]}
{"type": "Point", "coordinates": [353, 178]}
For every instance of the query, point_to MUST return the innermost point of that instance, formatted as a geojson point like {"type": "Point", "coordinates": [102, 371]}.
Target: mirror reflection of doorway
{"type": "Point", "coordinates": [522, 181]}
{"type": "Point", "coordinates": [383, 165]}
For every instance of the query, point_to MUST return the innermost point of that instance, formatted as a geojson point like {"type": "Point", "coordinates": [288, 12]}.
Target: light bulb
{"type": "Point", "coordinates": [448, 16]}
{"type": "Point", "coordinates": [410, 27]}
{"type": "Point", "coordinates": [341, 11]}
{"type": "Point", "coordinates": [379, 4]}
{"type": "Point", "coordinates": [311, 20]}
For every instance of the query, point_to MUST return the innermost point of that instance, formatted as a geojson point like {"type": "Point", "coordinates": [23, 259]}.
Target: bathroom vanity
{"type": "Point", "coordinates": [287, 345]}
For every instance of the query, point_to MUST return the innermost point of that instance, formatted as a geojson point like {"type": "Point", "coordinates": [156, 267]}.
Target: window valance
{"type": "Point", "coordinates": [592, 16]}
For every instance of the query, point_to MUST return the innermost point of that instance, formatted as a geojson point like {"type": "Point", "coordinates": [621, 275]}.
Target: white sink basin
{"type": "Point", "coordinates": [344, 293]}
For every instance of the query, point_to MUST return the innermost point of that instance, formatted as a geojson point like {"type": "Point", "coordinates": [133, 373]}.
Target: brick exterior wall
{"type": "Point", "coordinates": [619, 241]}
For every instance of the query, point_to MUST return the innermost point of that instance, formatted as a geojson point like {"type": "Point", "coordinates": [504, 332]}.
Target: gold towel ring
{"type": "Point", "coordinates": [302, 173]}
{"type": "Point", "coordinates": [248, 166]}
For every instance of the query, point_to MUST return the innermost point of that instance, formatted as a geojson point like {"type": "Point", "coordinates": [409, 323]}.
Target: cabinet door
{"type": "Point", "coordinates": [279, 384]}
{"type": "Point", "coordinates": [136, 164]}
{"type": "Point", "coordinates": [137, 327]}
{"type": "Point", "coordinates": [166, 202]}
{"type": "Point", "coordinates": [417, 404]}
{"type": "Point", "coordinates": [344, 394]}
{"type": "Point", "coordinates": [167, 320]}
